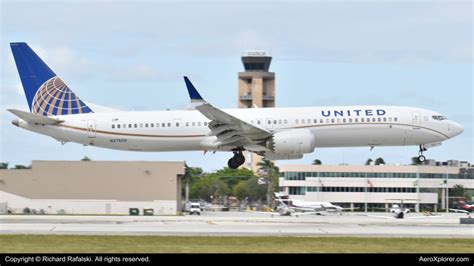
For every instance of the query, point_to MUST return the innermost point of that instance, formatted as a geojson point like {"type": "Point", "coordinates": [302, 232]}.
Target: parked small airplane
{"type": "Point", "coordinates": [310, 206]}
{"type": "Point", "coordinates": [275, 133]}
{"type": "Point", "coordinates": [285, 210]}
{"type": "Point", "coordinates": [463, 207]}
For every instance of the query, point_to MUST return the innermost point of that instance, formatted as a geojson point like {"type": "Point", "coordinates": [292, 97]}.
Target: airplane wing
{"type": "Point", "coordinates": [267, 213]}
{"type": "Point", "coordinates": [228, 129]}
{"type": "Point", "coordinates": [33, 118]}
{"type": "Point", "coordinates": [425, 216]}
{"type": "Point", "coordinates": [305, 213]}
{"type": "Point", "coordinates": [458, 210]}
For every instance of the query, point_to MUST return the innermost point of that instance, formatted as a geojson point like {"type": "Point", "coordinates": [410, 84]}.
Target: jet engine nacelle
{"type": "Point", "coordinates": [291, 144]}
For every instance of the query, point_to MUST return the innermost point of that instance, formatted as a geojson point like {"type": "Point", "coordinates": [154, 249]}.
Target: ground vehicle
{"type": "Point", "coordinates": [195, 208]}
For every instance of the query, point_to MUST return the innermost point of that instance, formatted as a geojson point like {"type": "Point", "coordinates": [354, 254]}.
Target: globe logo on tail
{"type": "Point", "coordinates": [55, 98]}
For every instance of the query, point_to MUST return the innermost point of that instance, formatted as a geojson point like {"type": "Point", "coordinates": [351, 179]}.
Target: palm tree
{"type": "Point", "coordinates": [271, 175]}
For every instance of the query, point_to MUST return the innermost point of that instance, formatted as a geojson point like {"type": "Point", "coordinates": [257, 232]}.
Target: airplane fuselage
{"type": "Point", "coordinates": [187, 130]}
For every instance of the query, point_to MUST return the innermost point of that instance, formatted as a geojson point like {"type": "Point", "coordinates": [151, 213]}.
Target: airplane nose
{"type": "Point", "coordinates": [16, 122]}
{"type": "Point", "coordinates": [456, 129]}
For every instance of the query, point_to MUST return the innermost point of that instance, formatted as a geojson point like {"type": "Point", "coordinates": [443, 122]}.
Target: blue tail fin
{"type": "Point", "coordinates": [45, 92]}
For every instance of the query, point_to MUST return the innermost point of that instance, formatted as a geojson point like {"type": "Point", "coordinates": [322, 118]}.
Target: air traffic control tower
{"type": "Point", "coordinates": [256, 89]}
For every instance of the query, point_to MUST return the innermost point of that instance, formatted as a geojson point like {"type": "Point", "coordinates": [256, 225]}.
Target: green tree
{"type": "Point", "coordinates": [241, 190]}
{"type": "Point", "coordinates": [369, 161]}
{"type": "Point", "coordinates": [19, 166]}
{"type": "Point", "coordinates": [3, 165]}
{"type": "Point", "coordinates": [317, 162]}
{"type": "Point", "coordinates": [271, 174]}
{"type": "Point", "coordinates": [232, 176]}
{"type": "Point", "coordinates": [459, 191]}
{"type": "Point", "coordinates": [86, 159]}
{"type": "Point", "coordinates": [208, 186]}
{"type": "Point", "coordinates": [379, 161]}
{"type": "Point", "coordinates": [191, 175]}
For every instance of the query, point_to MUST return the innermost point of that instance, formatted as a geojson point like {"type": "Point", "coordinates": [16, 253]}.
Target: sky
{"type": "Point", "coordinates": [132, 55]}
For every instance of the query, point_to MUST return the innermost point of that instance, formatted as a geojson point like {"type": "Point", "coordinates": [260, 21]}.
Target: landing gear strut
{"type": "Point", "coordinates": [421, 157]}
{"type": "Point", "coordinates": [237, 160]}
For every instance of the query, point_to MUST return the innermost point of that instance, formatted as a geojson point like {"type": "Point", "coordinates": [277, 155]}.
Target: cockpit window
{"type": "Point", "coordinates": [439, 117]}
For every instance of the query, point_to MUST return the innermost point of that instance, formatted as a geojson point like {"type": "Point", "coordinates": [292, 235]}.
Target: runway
{"type": "Point", "coordinates": [241, 224]}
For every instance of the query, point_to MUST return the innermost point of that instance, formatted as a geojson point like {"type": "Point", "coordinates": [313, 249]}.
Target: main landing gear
{"type": "Point", "coordinates": [237, 160]}
{"type": "Point", "coordinates": [421, 157]}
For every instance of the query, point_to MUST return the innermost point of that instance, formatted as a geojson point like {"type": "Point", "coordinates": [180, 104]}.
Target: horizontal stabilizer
{"type": "Point", "coordinates": [33, 118]}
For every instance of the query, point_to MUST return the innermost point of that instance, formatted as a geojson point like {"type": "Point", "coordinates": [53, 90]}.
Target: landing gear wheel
{"type": "Point", "coordinates": [237, 160]}
{"type": "Point", "coordinates": [421, 158]}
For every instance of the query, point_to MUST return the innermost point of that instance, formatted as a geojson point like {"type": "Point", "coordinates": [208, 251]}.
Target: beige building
{"type": "Point", "coordinates": [93, 187]}
{"type": "Point", "coordinates": [256, 89]}
{"type": "Point", "coordinates": [352, 186]}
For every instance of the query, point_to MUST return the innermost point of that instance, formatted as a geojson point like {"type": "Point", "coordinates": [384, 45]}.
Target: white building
{"type": "Point", "coordinates": [421, 187]}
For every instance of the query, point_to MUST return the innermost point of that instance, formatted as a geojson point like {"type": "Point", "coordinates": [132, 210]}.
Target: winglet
{"type": "Point", "coordinates": [193, 93]}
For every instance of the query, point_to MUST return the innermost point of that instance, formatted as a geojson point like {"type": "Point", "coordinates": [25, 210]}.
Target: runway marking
{"type": "Point", "coordinates": [52, 228]}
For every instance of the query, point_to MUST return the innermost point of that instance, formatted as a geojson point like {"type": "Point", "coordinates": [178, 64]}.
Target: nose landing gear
{"type": "Point", "coordinates": [237, 160]}
{"type": "Point", "coordinates": [421, 157]}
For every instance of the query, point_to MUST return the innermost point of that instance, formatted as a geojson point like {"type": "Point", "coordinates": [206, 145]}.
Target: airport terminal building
{"type": "Point", "coordinates": [92, 187]}
{"type": "Point", "coordinates": [421, 187]}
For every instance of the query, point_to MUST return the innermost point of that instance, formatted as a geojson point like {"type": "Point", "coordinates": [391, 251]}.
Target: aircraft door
{"type": "Point", "coordinates": [416, 120]}
{"type": "Point", "coordinates": [269, 123]}
{"type": "Point", "coordinates": [91, 128]}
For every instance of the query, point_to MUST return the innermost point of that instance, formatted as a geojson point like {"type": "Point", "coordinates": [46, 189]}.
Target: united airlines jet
{"type": "Point", "coordinates": [275, 133]}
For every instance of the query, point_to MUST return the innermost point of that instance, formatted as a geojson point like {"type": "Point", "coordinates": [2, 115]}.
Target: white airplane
{"type": "Point", "coordinates": [275, 133]}
{"type": "Point", "coordinates": [318, 206]}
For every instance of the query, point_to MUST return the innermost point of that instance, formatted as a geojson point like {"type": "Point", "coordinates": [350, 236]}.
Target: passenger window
{"type": "Point", "coordinates": [113, 126]}
{"type": "Point", "coordinates": [124, 125]}
{"type": "Point", "coordinates": [389, 119]}
{"type": "Point", "coordinates": [343, 120]}
{"type": "Point", "coordinates": [302, 121]}
{"type": "Point", "coordinates": [135, 125]}
{"type": "Point", "coordinates": [163, 125]}
{"type": "Point", "coordinates": [193, 124]}
{"type": "Point", "coordinates": [169, 124]}
{"type": "Point", "coordinates": [205, 123]}
{"type": "Point", "coordinates": [141, 125]}
{"type": "Point", "coordinates": [157, 124]}
{"type": "Point", "coordinates": [385, 119]}
{"type": "Point", "coordinates": [199, 124]}
{"type": "Point", "coordinates": [395, 119]}
{"type": "Point", "coordinates": [332, 120]}
{"type": "Point", "coordinates": [269, 122]}
{"type": "Point", "coordinates": [315, 121]}
{"type": "Point", "coordinates": [309, 121]}
{"type": "Point", "coordinates": [373, 119]}
{"type": "Point", "coordinates": [279, 122]}
{"type": "Point", "coordinates": [274, 122]}
{"type": "Point", "coordinates": [285, 121]}
{"type": "Point", "coordinates": [296, 121]}
{"type": "Point", "coordinates": [338, 120]}
{"type": "Point", "coordinates": [362, 120]}
{"type": "Point", "coordinates": [177, 124]}
{"type": "Point", "coordinates": [350, 120]}
{"type": "Point", "coordinates": [321, 121]}
{"type": "Point", "coordinates": [146, 124]}
{"type": "Point", "coordinates": [187, 124]}
{"type": "Point", "coordinates": [152, 125]}
{"type": "Point", "coordinates": [118, 126]}
{"type": "Point", "coordinates": [129, 125]}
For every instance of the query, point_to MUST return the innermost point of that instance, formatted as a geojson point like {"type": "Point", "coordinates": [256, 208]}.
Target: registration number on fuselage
{"type": "Point", "coordinates": [118, 140]}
